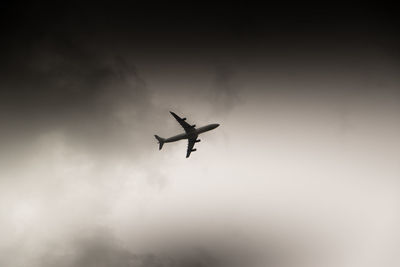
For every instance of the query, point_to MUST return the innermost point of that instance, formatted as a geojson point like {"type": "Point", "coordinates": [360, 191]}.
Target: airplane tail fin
{"type": "Point", "coordinates": [160, 141]}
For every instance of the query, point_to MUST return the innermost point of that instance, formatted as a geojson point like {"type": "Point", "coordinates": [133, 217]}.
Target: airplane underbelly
{"type": "Point", "coordinates": [201, 130]}
{"type": "Point", "coordinates": [176, 138]}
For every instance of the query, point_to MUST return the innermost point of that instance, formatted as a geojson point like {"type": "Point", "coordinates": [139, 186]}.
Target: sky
{"type": "Point", "coordinates": [303, 170]}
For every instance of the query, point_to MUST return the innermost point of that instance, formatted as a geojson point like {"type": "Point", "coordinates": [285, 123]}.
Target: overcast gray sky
{"type": "Point", "coordinates": [303, 171]}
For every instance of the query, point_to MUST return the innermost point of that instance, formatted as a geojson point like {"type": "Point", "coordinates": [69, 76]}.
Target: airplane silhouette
{"type": "Point", "coordinates": [191, 134]}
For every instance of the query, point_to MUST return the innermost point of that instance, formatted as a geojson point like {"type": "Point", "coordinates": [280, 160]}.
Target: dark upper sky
{"type": "Point", "coordinates": [211, 25]}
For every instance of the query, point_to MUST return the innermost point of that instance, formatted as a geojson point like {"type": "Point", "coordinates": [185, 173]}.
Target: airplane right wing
{"type": "Point", "coordinates": [186, 126]}
{"type": "Point", "coordinates": [190, 147]}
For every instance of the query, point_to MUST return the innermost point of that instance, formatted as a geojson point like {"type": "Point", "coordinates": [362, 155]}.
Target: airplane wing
{"type": "Point", "coordinates": [186, 126]}
{"type": "Point", "coordinates": [190, 147]}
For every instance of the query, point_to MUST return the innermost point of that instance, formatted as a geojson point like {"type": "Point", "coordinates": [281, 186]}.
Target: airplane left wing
{"type": "Point", "coordinates": [186, 126]}
{"type": "Point", "coordinates": [190, 147]}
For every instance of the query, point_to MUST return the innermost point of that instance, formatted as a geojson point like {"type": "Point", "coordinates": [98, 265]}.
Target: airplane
{"type": "Point", "coordinates": [191, 134]}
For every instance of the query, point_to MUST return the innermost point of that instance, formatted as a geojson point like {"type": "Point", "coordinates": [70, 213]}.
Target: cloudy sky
{"type": "Point", "coordinates": [303, 171]}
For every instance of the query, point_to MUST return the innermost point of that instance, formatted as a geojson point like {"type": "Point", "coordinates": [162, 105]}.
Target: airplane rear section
{"type": "Point", "coordinates": [160, 141]}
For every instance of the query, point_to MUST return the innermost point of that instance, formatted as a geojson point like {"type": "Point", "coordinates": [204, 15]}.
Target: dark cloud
{"type": "Point", "coordinates": [95, 247]}
{"type": "Point", "coordinates": [59, 85]}
{"type": "Point", "coordinates": [99, 247]}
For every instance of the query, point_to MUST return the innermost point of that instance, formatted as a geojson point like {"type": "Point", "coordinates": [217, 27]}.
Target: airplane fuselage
{"type": "Point", "coordinates": [192, 134]}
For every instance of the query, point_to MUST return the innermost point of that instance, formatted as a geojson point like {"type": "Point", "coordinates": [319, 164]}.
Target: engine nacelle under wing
{"type": "Point", "coordinates": [193, 150]}
{"type": "Point", "coordinates": [198, 140]}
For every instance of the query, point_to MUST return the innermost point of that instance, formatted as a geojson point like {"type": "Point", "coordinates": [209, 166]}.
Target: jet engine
{"type": "Point", "coordinates": [193, 150]}
{"type": "Point", "coordinates": [198, 140]}
{"type": "Point", "coordinates": [183, 119]}
{"type": "Point", "coordinates": [194, 125]}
